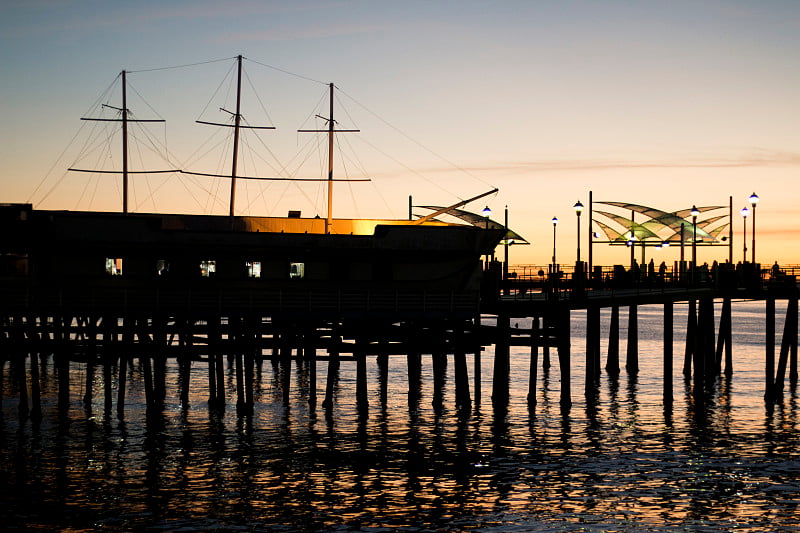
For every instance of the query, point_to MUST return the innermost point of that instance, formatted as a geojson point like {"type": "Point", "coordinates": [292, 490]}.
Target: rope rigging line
{"type": "Point", "coordinates": [156, 147]}
{"type": "Point", "coordinates": [413, 171]}
{"type": "Point", "coordinates": [94, 105]}
{"type": "Point", "coordinates": [222, 81]}
{"type": "Point", "coordinates": [102, 155]}
{"type": "Point", "coordinates": [145, 102]}
{"type": "Point", "coordinates": [282, 169]}
{"type": "Point", "coordinates": [260, 102]}
{"type": "Point", "coordinates": [347, 175]}
{"type": "Point", "coordinates": [398, 130]}
{"type": "Point", "coordinates": [181, 66]}
{"type": "Point", "coordinates": [285, 71]}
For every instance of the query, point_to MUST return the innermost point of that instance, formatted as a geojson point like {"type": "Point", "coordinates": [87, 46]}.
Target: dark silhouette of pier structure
{"type": "Point", "coordinates": [192, 292]}
{"type": "Point", "coordinates": [204, 331]}
{"type": "Point", "coordinates": [708, 349]}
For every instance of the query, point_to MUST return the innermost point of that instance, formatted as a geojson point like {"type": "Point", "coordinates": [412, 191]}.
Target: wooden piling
{"type": "Point", "coordinates": [595, 321]}
{"type": "Point", "coordinates": [414, 364]}
{"type": "Point", "coordinates": [185, 359]}
{"type": "Point", "coordinates": [211, 347]}
{"type": "Point", "coordinates": [463, 400]}
{"type": "Point", "coordinates": [533, 371]}
{"type": "Point", "coordinates": [22, 384]}
{"type": "Point", "coordinates": [127, 339]}
{"type": "Point", "coordinates": [564, 356]}
{"type": "Point", "coordinates": [36, 390]}
{"type": "Point", "coordinates": [108, 390]}
{"type": "Point", "coordinates": [109, 361]}
{"type": "Point", "coordinates": [698, 358]}
{"type": "Point", "coordinates": [241, 402]}
{"type": "Point", "coordinates": [612, 360]}
{"type": "Point", "coordinates": [62, 365]}
{"type": "Point", "coordinates": [439, 363]}
{"type": "Point", "coordinates": [769, 330]}
{"type": "Point", "coordinates": [90, 333]}
{"type": "Point", "coordinates": [725, 338]}
{"type": "Point", "coordinates": [793, 344]}
{"type": "Point", "coordinates": [383, 378]}
{"type": "Point", "coordinates": [333, 370]}
{"type": "Point", "coordinates": [789, 336]}
{"type": "Point", "coordinates": [476, 361]}
{"type": "Point", "coordinates": [710, 367]}
{"type": "Point", "coordinates": [158, 345]}
{"type": "Point", "coordinates": [361, 374]}
{"type": "Point", "coordinates": [310, 353]}
{"type": "Point", "coordinates": [632, 359]}
{"type": "Point", "coordinates": [592, 348]}
{"type": "Point", "coordinates": [502, 363]}
{"type": "Point", "coordinates": [691, 333]}
{"type": "Point", "coordinates": [147, 374]}
{"type": "Point", "coordinates": [286, 364]}
{"type": "Point", "coordinates": [548, 325]}
{"type": "Point", "coordinates": [668, 337]}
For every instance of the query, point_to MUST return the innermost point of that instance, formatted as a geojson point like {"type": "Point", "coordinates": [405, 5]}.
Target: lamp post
{"type": "Point", "coordinates": [682, 267]}
{"type": "Point", "coordinates": [486, 212]}
{"type": "Point", "coordinates": [753, 201]}
{"type": "Point", "coordinates": [632, 245]}
{"type": "Point", "coordinates": [745, 212]}
{"type": "Point", "coordinates": [694, 212]}
{"type": "Point", "coordinates": [505, 252]}
{"type": "Point", "coordinates": [555, 223]}
{"type": "Point", "coordinates": [578, 209]}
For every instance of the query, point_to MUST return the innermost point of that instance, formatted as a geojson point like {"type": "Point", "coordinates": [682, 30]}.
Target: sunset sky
{"type": "Point", "coordinates": [663, 103]}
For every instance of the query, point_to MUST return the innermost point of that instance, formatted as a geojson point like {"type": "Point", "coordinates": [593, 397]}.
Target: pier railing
{"type": "Point", "coordinates": [567, 281]}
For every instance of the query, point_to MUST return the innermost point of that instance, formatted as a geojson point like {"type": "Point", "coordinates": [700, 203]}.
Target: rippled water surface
{"type": "Point", "coordinates": [622, 463]}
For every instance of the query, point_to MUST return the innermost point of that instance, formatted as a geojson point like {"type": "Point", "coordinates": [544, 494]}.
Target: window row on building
{"type": "Point", "coordinates": [206, 268]}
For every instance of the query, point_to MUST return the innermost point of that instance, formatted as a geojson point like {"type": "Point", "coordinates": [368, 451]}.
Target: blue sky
{"type": "Point", "coordinates": [661, 103]}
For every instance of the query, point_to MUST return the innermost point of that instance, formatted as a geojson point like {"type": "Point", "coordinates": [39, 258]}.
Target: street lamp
{"type": "Point", "coordinates": [555, 223]}
{"type": "Point", "coordinates": [632, 245]}
{"type": "Point", "coordinates": [578, 209]}
{"type": "Point", "coordinates": [486, 212]}
{"type": "Point", "coordinates": [694, 212]}
{"type": "Point", "coordinates": [753, 201]}
{"type": "Point", "coordinates": [745, 212]}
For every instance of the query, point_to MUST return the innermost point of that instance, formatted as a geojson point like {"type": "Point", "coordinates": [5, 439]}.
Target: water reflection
{"type": "Point", "coordinates": [620, 460]}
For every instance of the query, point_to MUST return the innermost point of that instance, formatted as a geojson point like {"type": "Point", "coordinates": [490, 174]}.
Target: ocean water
{"type": "Point", "coordinates": [624, 462]}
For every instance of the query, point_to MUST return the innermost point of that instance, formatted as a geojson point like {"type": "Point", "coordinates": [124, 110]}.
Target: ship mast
{"type": "Point", "coordinates": [237, 127]}
{"type": "Point", "coordinates": [124, 143]}
{"type": "Point", "coordinates": [236, 123]}
{"type": "Point", "coordinates": [329, 217]}
{"type": "Point", "coordinates": [330, 131]}
{"type": "Point", "coordinates": [124, 120]}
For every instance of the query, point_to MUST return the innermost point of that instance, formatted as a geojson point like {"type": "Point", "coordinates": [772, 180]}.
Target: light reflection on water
{"type": "Point", "coordinates": [623, 464]}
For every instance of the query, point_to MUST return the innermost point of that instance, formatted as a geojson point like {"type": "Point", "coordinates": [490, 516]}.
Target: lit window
{"type": "Point", "coordinates": [208, 268]}
{"type": "Point", "coordinates": [297, 270]}
{"type": "Point", "coordinates": [162, 267]}
{"type": "Point", "coordinates": [114, 266]}
{"type": "Point", "coordinates": [253, 269]}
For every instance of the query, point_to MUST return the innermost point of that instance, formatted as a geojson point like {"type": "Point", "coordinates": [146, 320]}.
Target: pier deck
{"type": "Point", "coordinates": [112, 330]}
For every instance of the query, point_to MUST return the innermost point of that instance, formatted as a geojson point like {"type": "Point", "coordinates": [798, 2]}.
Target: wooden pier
{"type": "Point", "coordinates": [107, 339]}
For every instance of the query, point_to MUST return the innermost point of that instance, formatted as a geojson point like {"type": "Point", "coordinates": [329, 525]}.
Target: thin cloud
{"type": "Point", "coordinates": [760, 159]}
{"type": "Point", "coordinates": [291, 34]}
{"type": "Point", "coordinates": [783, 232]}
{"type": "Point", "coordinates": [72, 20]}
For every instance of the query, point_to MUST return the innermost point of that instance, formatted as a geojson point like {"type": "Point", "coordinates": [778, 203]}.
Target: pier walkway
{"type": "Point", "coordinates": [105, 340]}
